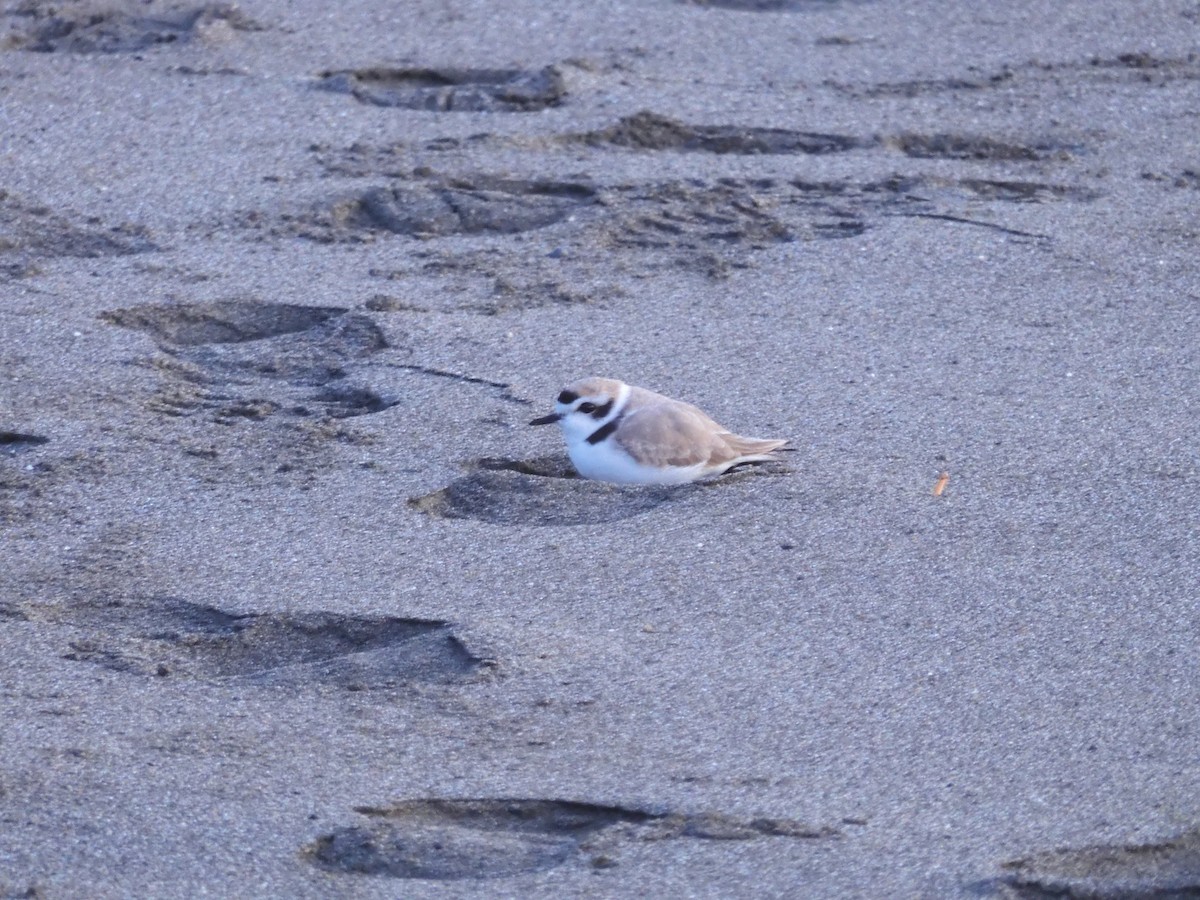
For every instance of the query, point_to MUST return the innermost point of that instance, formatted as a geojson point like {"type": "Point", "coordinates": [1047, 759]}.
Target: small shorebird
{"type": "Point", "coordinates": [629, 435]}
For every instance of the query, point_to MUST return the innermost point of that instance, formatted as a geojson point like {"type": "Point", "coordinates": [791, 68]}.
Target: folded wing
{"type": "Point", "coordinates": [678, 434]}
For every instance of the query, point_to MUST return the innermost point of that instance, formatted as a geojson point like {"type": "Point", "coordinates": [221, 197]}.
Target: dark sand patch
{"type": "Point", "coordinates": [1139, 67]}
{"type": "Point", "coordinates": [451, 89]}
{"type": "Point", "coordinates": [651, 131]}
{"type": "Point", "coordinates": [240, 358]}
{"type": "Point", "coordinates": [223, 322]}
{"type": "Point", "coordinates": [167, 637]}
{"type": "Point", "coordinates": [495, 838]}
{"type": "Point", "coordinates": [427, 205]}
{"type": "Point", "coordinates": [976, 147]}
{"type": "Point", "coordinates": [1170, 869]}
{"type": "Point", "coordinates": [104, 27]}
{"type": "Point", "coordinates": [530, 495]}
{"type": "Point", "coordinates": [702, 225]}
{"type": "Point", "coordinates": [683, 215]}
{"type": "Point", "coordinates": [32, 230]}
{"type": "Point", "coordinates": [1026, 191]}
{"type": "Point", "coordinates": [1187, 179]}
{"type": "Point", "coordinates": [14, 442]}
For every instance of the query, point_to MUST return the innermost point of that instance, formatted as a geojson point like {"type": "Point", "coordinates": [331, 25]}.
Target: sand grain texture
{"type": "Point", "coordinates": [294, 603]}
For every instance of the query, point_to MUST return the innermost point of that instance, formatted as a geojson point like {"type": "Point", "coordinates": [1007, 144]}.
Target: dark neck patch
{"type": "Point", "coordinates": [566, 398]}
{"type": "Point", "coordinates": [603, 431]}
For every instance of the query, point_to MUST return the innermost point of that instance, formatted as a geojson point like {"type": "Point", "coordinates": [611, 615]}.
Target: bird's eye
{"type": "Point", "coordinates": [587, 407]}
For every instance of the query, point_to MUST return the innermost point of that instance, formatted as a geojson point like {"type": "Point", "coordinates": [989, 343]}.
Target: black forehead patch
{"type": "Point", "coordinates": [566, 398]}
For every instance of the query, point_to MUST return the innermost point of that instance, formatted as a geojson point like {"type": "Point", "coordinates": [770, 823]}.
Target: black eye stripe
{"type": "Point", "coordinates": [566, 398]}
{"type": "Point", "coordinates": [601, 411]}
{"type": "Point", "coordinates": [588, 408]}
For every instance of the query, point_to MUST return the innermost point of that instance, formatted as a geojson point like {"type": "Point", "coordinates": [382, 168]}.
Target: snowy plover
{"type": "Point", "coordinates": [617, 432]}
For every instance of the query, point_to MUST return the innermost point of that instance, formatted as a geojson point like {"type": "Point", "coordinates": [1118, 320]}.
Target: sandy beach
{"type": "Point", "coordinates": [293, 601]}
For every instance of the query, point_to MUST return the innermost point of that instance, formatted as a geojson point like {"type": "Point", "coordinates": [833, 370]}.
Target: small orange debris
{"type": "Point", "coordinates": [943, 480]}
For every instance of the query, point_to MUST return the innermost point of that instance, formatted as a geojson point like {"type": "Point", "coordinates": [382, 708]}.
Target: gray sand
{"type": "Point", "coordinates": [295, 604]}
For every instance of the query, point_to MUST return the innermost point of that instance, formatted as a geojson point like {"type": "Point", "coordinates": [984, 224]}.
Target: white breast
{"type": "Point", "coordinates": [606, 461]}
